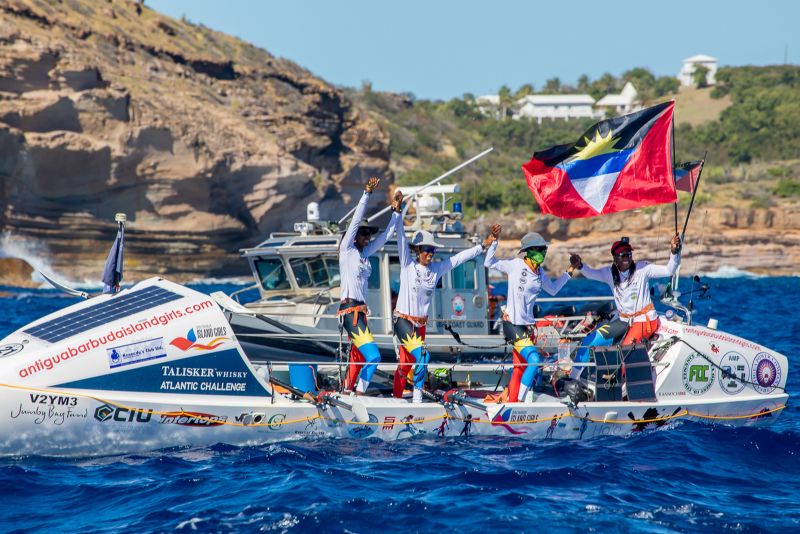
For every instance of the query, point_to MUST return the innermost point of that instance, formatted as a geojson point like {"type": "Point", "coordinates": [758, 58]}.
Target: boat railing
{"type": "Point", "coordinates": [235, 294]}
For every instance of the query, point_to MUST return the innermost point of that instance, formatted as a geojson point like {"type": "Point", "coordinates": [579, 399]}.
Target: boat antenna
{"type": "Point", "coordinates": [65, 289]}
{"type": "Point", "coordinates": [429, 184]}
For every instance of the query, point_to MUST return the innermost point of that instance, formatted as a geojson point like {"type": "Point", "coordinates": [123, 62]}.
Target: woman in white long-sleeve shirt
{"type": "Point", "coordinates": [354, 270]}
{"type": "Point", "coordinates": [629, 282]}
{"type": "Point", "coordinates": [418, 279]}
{"type": "Point", "coordinates": [526, 280]}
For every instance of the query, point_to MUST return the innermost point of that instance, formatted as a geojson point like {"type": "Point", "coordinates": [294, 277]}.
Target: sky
{"type": "Point", "coordinates": [440, 49]}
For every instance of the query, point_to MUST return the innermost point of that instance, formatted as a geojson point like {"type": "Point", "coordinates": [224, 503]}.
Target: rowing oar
{"type": "Point", "coordinates": [459, 397]}
{"type": "Point", "coordinates": [326, 397]}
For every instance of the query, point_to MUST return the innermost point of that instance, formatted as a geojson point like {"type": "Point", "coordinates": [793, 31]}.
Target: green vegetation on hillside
{"type": "Point", "coordinates": [761, 127]}
{"type": "Point", "coordinates": [762, 124]}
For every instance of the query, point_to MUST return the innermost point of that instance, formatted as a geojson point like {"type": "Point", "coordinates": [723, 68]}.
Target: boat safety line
{"type": "Point", "coordinates": [707, 416]}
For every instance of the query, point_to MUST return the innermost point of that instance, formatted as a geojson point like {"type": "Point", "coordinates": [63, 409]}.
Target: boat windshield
{"type": "Point", "coordinates": [318, 271]}
{"type": "Point", "coordinates": [271, 274]}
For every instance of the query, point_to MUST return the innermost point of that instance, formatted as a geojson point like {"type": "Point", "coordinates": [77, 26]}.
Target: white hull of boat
{"type": "Point", "coordinates": [173, 375]}
{"type": "Point", "coordinates": [65, 424]}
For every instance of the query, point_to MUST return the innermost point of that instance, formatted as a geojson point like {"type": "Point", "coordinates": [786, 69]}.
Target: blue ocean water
{"type": "Point", "coordinates": [688, 478]}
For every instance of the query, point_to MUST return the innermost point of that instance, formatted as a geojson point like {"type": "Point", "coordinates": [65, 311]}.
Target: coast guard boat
{"type": "Point", "coordinates": [297, 278]}
{"type": "Point", "coordinates": [159, 365]}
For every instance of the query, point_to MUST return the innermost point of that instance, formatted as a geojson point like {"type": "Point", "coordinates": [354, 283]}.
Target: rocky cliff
{"type": "Point", "coordinates": [758, 240]}
{"type": "Point", "coordinates": [206, 142]}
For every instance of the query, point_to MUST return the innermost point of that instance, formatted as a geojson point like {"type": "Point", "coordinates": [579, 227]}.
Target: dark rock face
{"type": "Point", "coordinates": [206, 142]}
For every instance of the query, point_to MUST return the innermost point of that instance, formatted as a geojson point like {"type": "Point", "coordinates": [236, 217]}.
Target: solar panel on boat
{"type": "Point", "coordinates": [87, 318]}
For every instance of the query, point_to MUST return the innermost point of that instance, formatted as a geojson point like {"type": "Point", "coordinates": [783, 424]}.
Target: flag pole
{"type": "Point", "coordinates": [694, 192]}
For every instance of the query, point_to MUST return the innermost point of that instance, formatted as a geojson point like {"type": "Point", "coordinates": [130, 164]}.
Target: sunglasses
{"type": "Point", "coordinates": [364, 232]}
{"type": "Point", "coordinates": [428, 250]}
{"type": "Point", "coordinates": [624, 255]}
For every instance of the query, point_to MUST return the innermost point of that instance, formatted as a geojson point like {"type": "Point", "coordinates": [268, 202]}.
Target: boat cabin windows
{"type": "Point", "coordinates": [375, 275]}
{"type": "Point", "coordinates": [318, 271]}
{"type": "Point", "coordinates": [463, 276]}
{"type": "Point", "coordinates": [271, 274]}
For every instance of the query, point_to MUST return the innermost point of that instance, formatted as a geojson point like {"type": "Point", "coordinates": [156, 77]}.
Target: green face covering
{"type": "Point", "coordinates": [536, 256]}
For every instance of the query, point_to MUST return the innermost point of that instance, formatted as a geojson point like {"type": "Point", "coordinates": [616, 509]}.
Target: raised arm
{"type": "Point", "coordinates": [402, 243]}
{"type": "Point", "coordinates": [602, 274]}
{"type": "Point", "coordinates": [358, 214]}
{"type": "Point", "coordinates": [491, 261]}
{"type": "Point", "coordinates": [448, 264]}
{"type": "Point", "coordinates": [376, 244]}
{"type": "Point", "coordinates": [664, 271]}
{"type": "Point", "coordinates": [553, 286]}
{"type": "Point", "coordinates": [452, 262]}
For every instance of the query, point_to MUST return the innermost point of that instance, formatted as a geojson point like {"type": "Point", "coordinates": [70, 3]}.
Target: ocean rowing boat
{"type": "Point", "coordinates": [158, 365]}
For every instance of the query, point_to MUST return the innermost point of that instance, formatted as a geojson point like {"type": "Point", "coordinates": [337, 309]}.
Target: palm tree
{"type": "Point", "coordinates": [506, 101]}
{"type": "Point", "coordinates": [523, 91]}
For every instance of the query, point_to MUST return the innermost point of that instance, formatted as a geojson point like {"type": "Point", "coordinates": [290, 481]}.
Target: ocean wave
{"type": "Point", "coordinates": [730, 272]}
{"type": "Point", "coordinates": [234, 280]}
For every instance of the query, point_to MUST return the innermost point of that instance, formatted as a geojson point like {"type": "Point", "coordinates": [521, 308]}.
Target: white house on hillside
{"type": "Point", "coordinates": [489, 105]}
{"type": "Point", "coordinates": [555, 107]}
{"type": "Point", "coordinates": [689, 64]}
{"type": "Point", "coordinates": [625, 102]}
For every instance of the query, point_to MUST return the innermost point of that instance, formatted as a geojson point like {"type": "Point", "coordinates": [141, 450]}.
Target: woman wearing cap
{"type": "Point", "coordinates": [629, 281]}
{"type": "Point", "coordinates": [418, 281]}
{"type": "Point", "coordinates": [355, 269]}
{"type": "Point", "coordinates": [526, 280]}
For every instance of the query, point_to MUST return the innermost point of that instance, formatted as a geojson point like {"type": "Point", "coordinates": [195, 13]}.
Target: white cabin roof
{"type": "Point", "coordinates": [625, 98]}
{"type": "Point", "coordinates": [699, 58]}
{"type": "Point", "coordinates": [550, 100]}
{"type": "Point", "coordinates": [613, 100]}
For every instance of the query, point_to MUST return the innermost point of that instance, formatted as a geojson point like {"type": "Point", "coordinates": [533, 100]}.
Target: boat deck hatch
{"type": "Point", "coordinates": [115, 308]}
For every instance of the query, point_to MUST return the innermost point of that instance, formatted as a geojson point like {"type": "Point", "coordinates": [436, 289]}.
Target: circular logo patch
{"type": "Point", "coordinates": [698, 374]}
{"type": "Point", "coordinates": [457, 304]}
{"type": "Point", "coordinates": [275, 421]}
{"type": "Point", "coordinates": [735, 373]}
{"type": "Point", "coordinates": [766, 373]}
{"type": "Point", "coordinates": [10, 349]}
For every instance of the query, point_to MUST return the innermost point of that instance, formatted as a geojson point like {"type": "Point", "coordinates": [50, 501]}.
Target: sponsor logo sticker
{"type": "Point", "coordinates": [10, 349]}
{"type": "Point", "coordinates": [457, 304]}
{"type": "Point", "coordinates": [141, 351]}
{"type": "Point", "coordinates": [192, 419]}
{"type": "Point", "coordinates": [275, 422]}
{"type": "Point", "coordinates": [195, 338]}
{"type": "Point", "coordinates": [106, 412]}
{"type": "Point", "coordinates": [766, 373]}
{"type": "Point", "coordinates": [735, 373]}
{"type": "Point", "coordinates": [698, 374]}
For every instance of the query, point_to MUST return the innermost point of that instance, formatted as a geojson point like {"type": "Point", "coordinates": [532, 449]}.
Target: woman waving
{"type": "Point", "coordinates": [419, 275]}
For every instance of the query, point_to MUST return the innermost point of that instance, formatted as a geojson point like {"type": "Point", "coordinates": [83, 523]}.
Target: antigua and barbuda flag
{"type": "Point", "coordinates": [618, 164]}
{"type": "Point", "coordinates": [687, 174]}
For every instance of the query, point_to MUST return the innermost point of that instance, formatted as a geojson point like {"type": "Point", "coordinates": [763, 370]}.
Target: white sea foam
{"type": "Point", "coordinates": [239, 280]}
{"type": "Point", "coordinates": [730, 272]}
{"type": "Point", "coordinates": [32, 251]}
{"type": "Point", "coordinates": [37, 255]}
